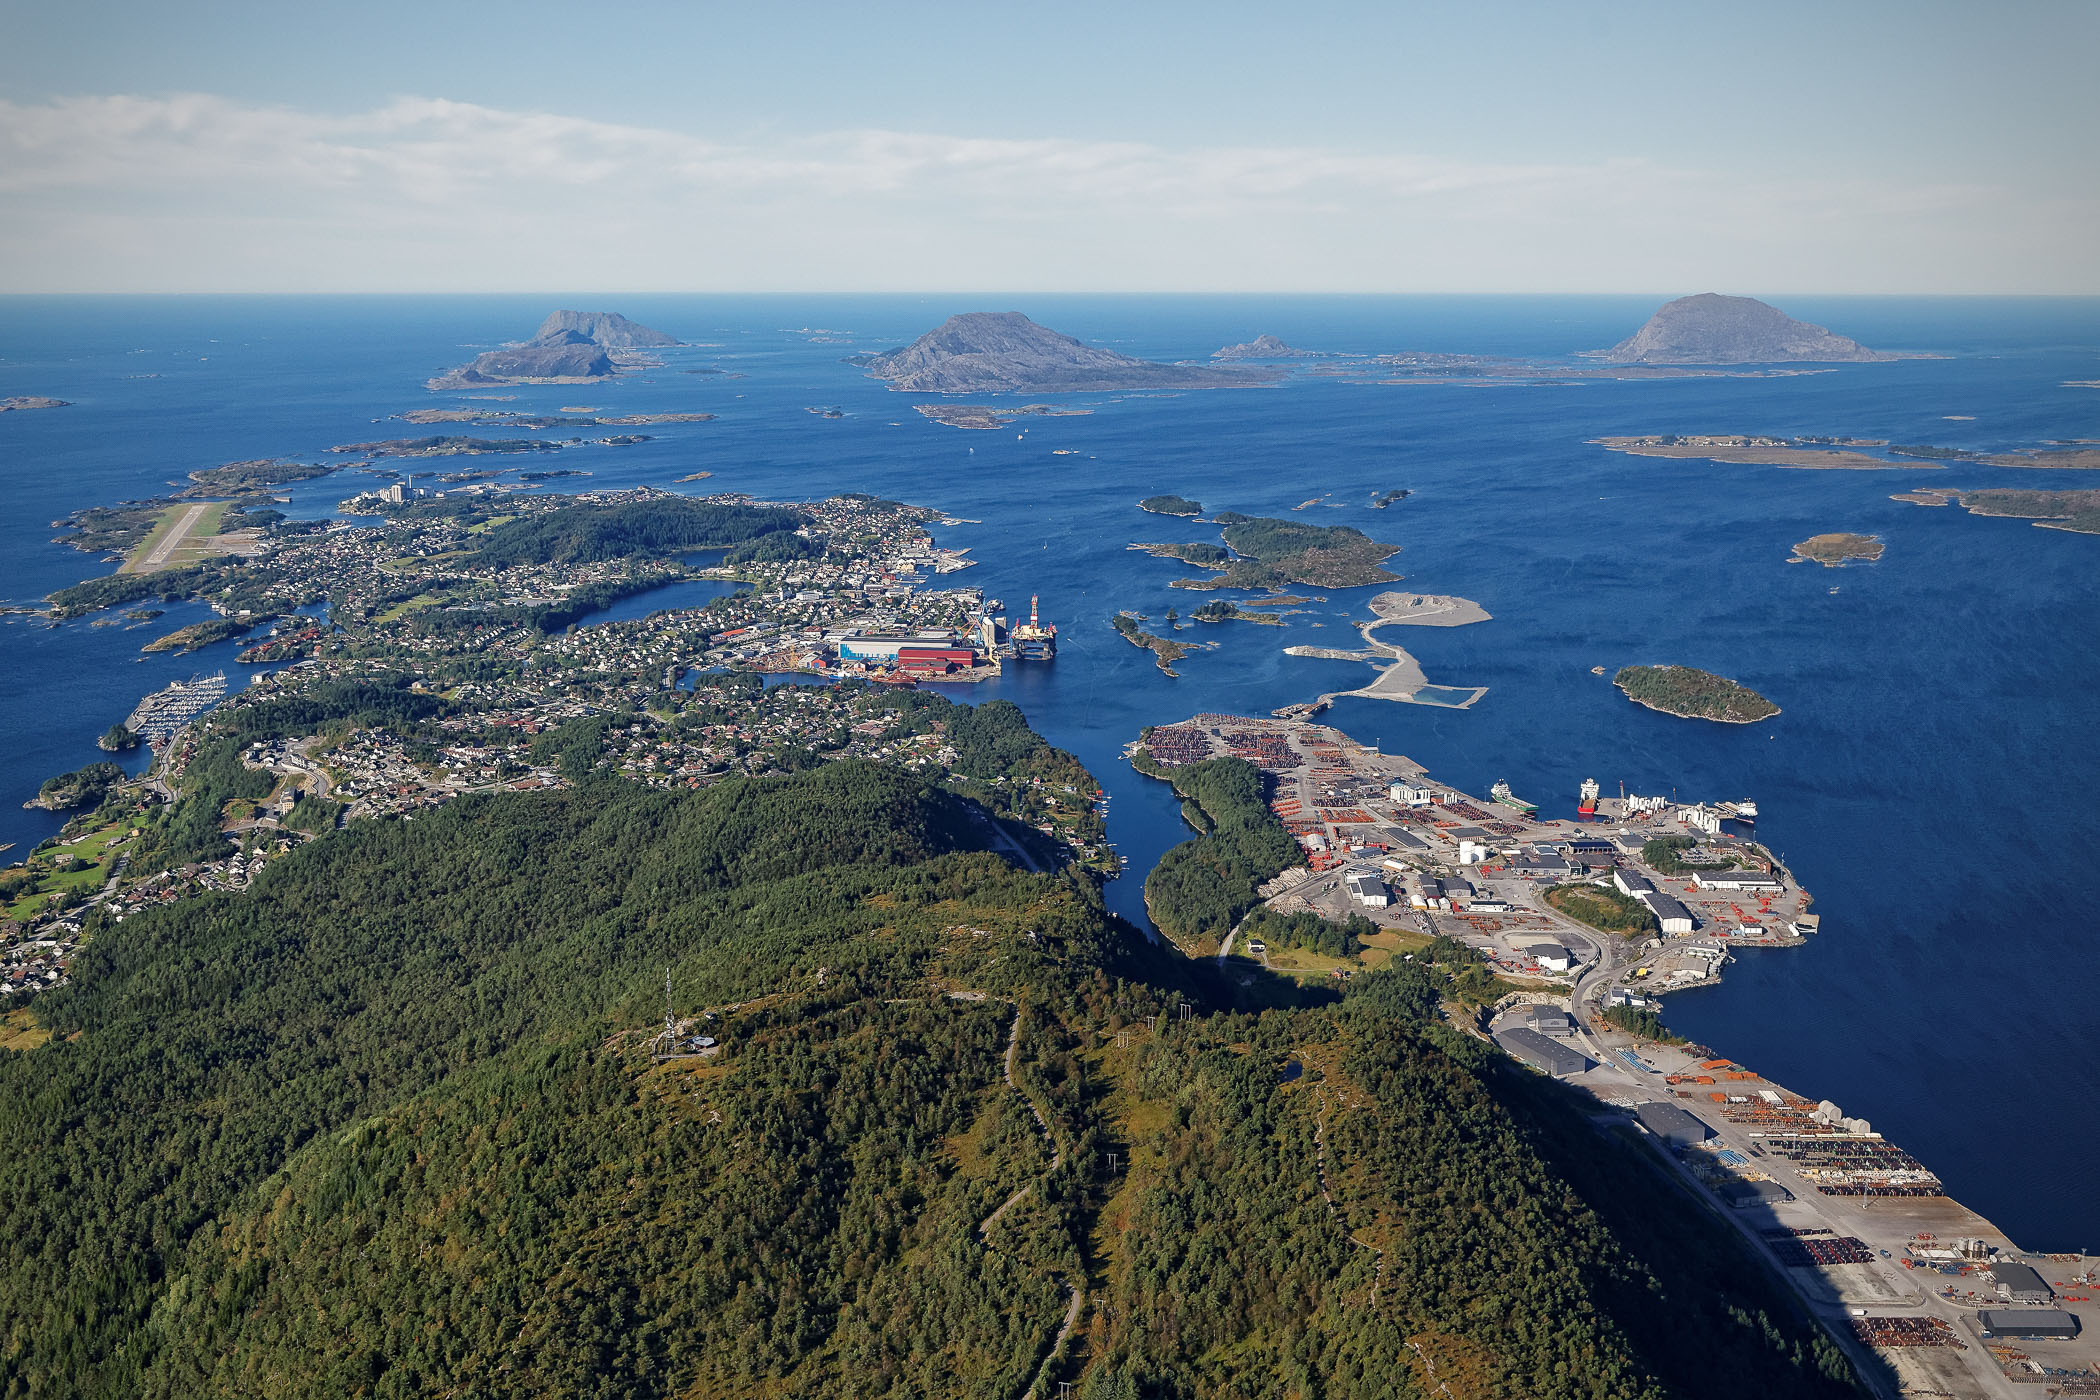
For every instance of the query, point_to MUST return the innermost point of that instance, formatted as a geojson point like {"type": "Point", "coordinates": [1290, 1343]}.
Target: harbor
{"type": "Point", "coordinates": [1863, 1230]}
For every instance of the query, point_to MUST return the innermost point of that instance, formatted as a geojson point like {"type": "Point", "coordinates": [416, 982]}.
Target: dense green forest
{"type": "Point", "coordinates": [393, 1123]}
{"type": "Point", "coordinates": [1199, 889]}
{"type": "Point", "coordinates": [580, 534]}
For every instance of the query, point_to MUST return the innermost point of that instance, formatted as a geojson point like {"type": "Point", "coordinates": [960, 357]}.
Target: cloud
{"type": "Point", "coordinates": [195, 192]}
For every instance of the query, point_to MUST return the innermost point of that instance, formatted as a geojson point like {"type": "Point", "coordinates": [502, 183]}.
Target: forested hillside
{"type": "Point", "coordinates": [391, 1124]}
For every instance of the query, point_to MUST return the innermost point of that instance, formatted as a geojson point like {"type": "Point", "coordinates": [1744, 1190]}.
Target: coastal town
{"type": "Point", "coordinates": [396, 666]}
{"type": "Point", "coordinates": [402, 664]}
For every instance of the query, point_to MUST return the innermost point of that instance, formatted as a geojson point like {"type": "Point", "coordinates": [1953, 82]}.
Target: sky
{"type": "Point", "coordinates": [222, 145]}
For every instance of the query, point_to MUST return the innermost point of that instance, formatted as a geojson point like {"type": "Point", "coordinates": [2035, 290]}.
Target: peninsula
{"type": "Point", "coordinates": [2076, 511]}
{"type": "Point", "coordinates": [1165, 650]}
{"type": "Point", "coordinates": [1710, 329]}
{"type": "Point", "coordinates": [571, 347]}
{"type": "Point", "coordinates": [1693, 694]}
{"type": "Point", "coordinates": [1833, 551]}
{"type": "Point", "coordinates": [986, 352]}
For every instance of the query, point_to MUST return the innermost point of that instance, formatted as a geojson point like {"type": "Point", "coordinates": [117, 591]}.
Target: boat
{"type": "Point", "coordinates": [1501, 793]}
{"type": "Point", "coordinates": [1745, 811]}
{"type": "Point", "coordinates": [1587, 806]}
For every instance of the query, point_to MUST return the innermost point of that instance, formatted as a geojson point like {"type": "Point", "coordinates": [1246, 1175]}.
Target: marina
{"type": "Point", "coordinates": [159, 716]}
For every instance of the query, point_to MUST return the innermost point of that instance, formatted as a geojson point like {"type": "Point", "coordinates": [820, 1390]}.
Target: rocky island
{"type": "Point", "coordinates": [1171, 505]}
{"type": "Point", "coordinates": [22, 403]}
{"type": "Point", "coordinates": [571, 347]}
{"type": "Point", "coordinates": [1832, 551]}
{"type": "Point", "coordinates": [1265, 347]}
{"type": "Point", "coordinates": [984, 417]}
{"type": "Point", "coordinates": [1003, 352]}
{"type": "Point", "coordinates": [1816, 454]}
{"type": "Point", "coordinates": [497, 418]}
{"type": "Point", "coordinates": [1693, 694]}
{"type": "Point", "coordinates": [446, 446]}
{"type": "Point", "coordinates": [1261, 552]}
{"type": "Point", "coordinates": [1710, 329]}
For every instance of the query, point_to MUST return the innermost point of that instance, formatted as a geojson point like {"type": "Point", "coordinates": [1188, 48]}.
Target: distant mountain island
{"type": "Point", "coordinates": [1265, 347]}
{"type": "Point", "coordinates": [1000, 352]}
{"type": "Point", "coordinates": [571, 347]}
{"type": "Point", "coordinates": [1710, 329]}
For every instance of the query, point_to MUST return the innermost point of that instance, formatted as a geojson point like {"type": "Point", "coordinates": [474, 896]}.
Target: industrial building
{"type": "Point", "coordinates": [1631, 884]}
{"type": "Point", "coordinates": [1409, 795]}
{"type": "Point", "coordinates": [1550, 956]}
{"type": "Point", "coordinates": [1669, 913]}
{"type": "Point", "coordinates": [1744, 1194]}
{"type": "Point", "coordinates": [1538, 865]}
{"type": "Point", "coordinates": [884, 646]}
{"type": "Point", "coordinates": [1736, 880]}
{"type": "Point", "coordinates": [1367, 890]}
{"type": "Point", "coordinates": [2019, 1283]}
{"type": "Point", "coordinates": [1540, 1053]}
{"type": "Point", "coordinates": [1672, 1124]}
{"type": "Point", "coordinates": [1551, 1020]}
{"type": "Point", "coordinates": [2037, 1323]}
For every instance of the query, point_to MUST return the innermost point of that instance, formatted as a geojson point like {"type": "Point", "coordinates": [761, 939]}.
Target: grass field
{"type": "Point", "coordinates": [197, 524]}
{"type": "Point", "coordinates": [19, 1030]}
{"type": "Point", "coordinates": [93, 847]}
{"type": "Point", "coordinates": [421, 600]}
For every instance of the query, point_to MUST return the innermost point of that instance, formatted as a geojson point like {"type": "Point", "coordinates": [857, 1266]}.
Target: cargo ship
{"type": "Point", "coordinates": [1587, 806]}
{"type": "Point", "coordinates": [1501, 793]}
{"type": "Point", "coordinates": [1035, 639]}
{"type": "Point", "coordinates": [1745, 812]}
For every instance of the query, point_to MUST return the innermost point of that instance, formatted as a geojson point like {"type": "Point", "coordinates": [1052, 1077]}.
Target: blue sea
{"type": "Point", "coordinates": [1928, 780]}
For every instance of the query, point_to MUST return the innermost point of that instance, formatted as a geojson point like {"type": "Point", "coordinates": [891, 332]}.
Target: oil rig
{"type": "Point", "coordinates": [1035, 639]}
